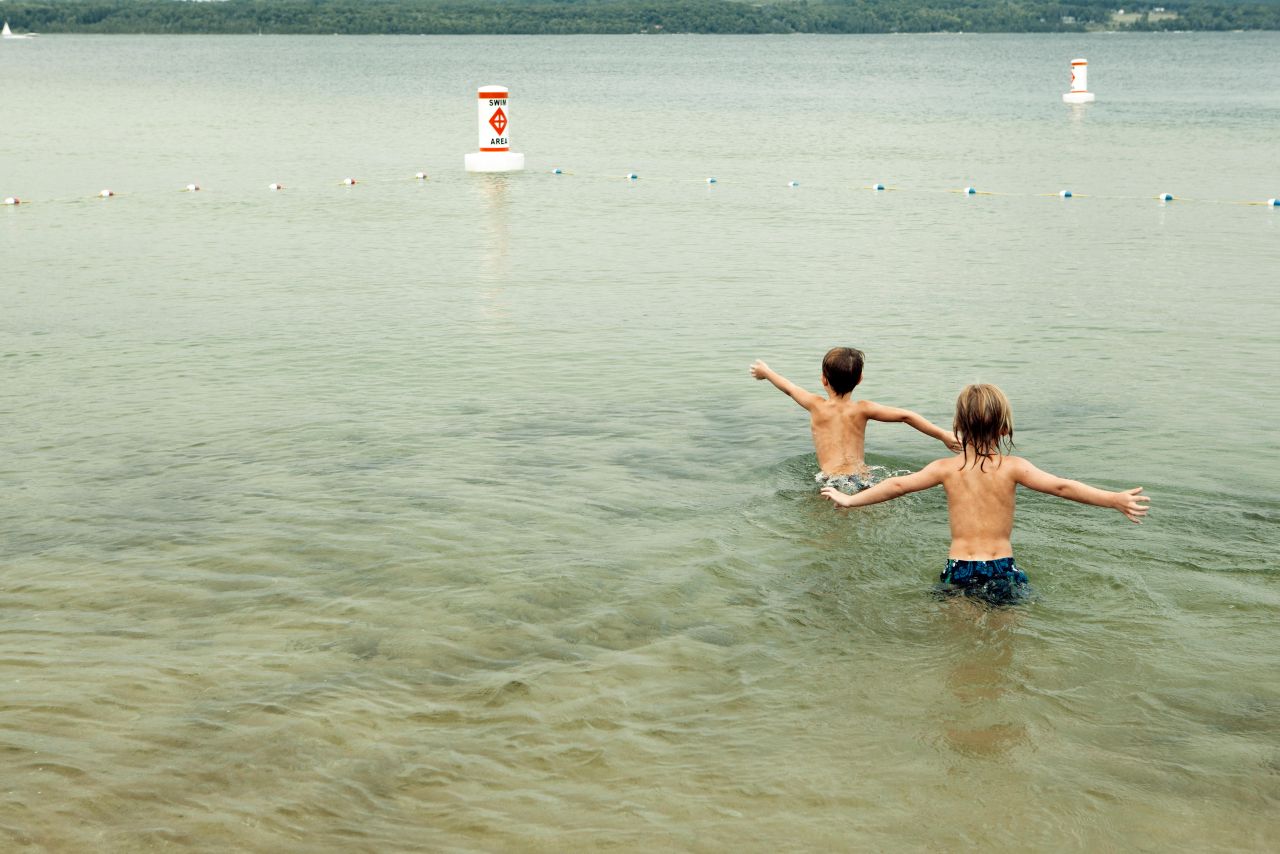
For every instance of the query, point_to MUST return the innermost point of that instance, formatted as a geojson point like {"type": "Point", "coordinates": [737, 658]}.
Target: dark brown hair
{"type": "Point", "coordinates": [842, 367]}
{"type": "Point", "coordinates": [984, 422]}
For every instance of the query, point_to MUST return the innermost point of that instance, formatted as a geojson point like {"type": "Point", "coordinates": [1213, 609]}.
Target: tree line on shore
{"type": "Point", "coordinates": [552, 17]}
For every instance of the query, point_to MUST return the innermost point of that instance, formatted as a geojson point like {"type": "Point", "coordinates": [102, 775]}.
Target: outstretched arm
{"type": "Point", "coordinates": [891, 413]}
{"type": "Point", "coordinates": [807, 399]}
{"type": "Point", "coordinates": [894, 487]}
{"type": "Point", "coordinates": [1131, 503]}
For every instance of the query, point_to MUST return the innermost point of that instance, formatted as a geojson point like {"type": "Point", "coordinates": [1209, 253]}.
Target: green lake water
{"type": "Point", "coordinates": [444, 516]}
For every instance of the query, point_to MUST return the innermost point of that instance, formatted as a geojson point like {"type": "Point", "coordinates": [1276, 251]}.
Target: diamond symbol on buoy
{"type": "Point", "coordinates": [498, 120]}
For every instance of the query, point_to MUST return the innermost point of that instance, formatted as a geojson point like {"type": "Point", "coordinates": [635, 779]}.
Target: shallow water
{"type": "Point", "coordinates": [444, 515]}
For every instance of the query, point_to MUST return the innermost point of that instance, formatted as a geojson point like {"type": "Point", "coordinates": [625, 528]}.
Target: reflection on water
{"type": "Point", "coordinates": [496, 250]}
{"type": "Point", "coordinates": [984, 642]}
{"type": "Point", "coordinates": [1077, 112]}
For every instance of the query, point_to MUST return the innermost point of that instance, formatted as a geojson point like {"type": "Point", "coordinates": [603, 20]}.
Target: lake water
{"type": "Point", "coordinates": [444, 515]}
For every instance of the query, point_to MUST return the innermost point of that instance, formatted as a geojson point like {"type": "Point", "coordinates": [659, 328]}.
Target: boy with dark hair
{"type": "Point", "coordinates": [981, 493]}
{"type": "Point", "coordinates": [839, 423]}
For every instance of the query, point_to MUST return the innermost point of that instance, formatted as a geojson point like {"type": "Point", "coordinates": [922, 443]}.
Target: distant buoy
{"type": "Point", "coordinates": [970, 191]}
{"type": "Point", "coordinates": [1066, 194]}
{"type": "Point", "coordinates": [14, 200]}
{"type": "Point", "coordinates": [1273, 203]}
{"type": "Point", "coordinates": [877, 186]}
{"type": "Point", "coordinates": [1165, 197]}
{"type": "Point", "coordinates": [711, 180]}
{"type": "Point", "coordinates": [793, 183]}
{"type": "Point", "coordinates": [495, 154]}
{"type": "Point", "coordinates": [631, 176]}
{"type": "Point", "coordinates": [275, 186]}
{"type": "Point", "coordinates": [421, 176]}
{"type": "Point", "coordinates": [106, 194]}
{"type": "Point", "coordinates": [350, 182]}
{"type": "Point", "coordinates": [1079, 93]}
{"type": "Point", "coordinates": [557, 171]}
{"type": "Point", "coordinates": [193, 188]}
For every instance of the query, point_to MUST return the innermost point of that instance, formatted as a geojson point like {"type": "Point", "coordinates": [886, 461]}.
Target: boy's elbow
{"type": "Point", "coordinates": [1070, 489]}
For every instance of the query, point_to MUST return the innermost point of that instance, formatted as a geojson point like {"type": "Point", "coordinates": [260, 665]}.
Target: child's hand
{"type": "Point", "coordinates": [836, 496]}
{"type": "Point", "coordinates": [952, 443]}
{"type": "Point", "coordinates": [759, 369]}
{"type": "Point", "coordinates": [1132, 504]}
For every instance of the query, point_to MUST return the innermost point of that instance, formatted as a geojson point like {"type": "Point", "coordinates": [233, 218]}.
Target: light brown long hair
{"type": "Point", "coordinates": [984, 422]}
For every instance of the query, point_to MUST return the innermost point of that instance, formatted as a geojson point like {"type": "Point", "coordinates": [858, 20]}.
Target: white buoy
{"type": "Point", "coordinates": [631, 176]}
{"type": "Point", "coordinates": [793, 183]}
{"type": "Point", "coordinates": [14, 200]}
{"type": "Point", "coordinates": [1066, 194]}
{"type": "Point", "coordinates": [495, 154]}
{"type": "Point", "coordinates": [193, 188]}
{"type": "Point", "coordinates": [711, 180]}
{"type": "Point", "coordinates": [970, 191]}
{"type": "Point", "coordinates": [421, 176]}
{"type": "Point", "coordinates": [1273, 203]}
{"type": "Point", "coordinates": [275, 187]}
{"type": "Point", "coordinates": [350, 182]}
{"type": "Point", "coordinates": [1165, 197]}
{"type": "Point", "coordinates": [106, 194]}
{"type": "Point", "coordinates": [557, 171]}
{"type": "Point", "coordinates": [877, 186]}
{"type": "Point", "coordinates": [1079, 93]}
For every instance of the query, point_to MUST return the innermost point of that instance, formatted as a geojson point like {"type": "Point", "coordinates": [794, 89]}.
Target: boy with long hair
{"type": "Point", "coordinates": [980, 486]}
{"type": "Point", "coordinates": [839, 423]}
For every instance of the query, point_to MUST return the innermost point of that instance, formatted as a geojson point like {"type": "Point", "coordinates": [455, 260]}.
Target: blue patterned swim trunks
{"type": "Point", "coordinates": [849, 484]}
{"type": "Point", "coordinates": [998, 581]}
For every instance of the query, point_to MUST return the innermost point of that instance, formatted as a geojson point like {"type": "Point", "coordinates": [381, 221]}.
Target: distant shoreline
{"type": "Point", "coordinates": [623, 17]}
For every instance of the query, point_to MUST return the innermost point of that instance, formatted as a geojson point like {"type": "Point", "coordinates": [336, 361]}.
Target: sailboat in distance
{"type": "Point", "coordinates": [9, 34]}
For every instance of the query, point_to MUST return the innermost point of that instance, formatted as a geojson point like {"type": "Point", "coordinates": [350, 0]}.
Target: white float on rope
{"type": "Point", "coordinates": [421, 176]}
{"type": "Point", "coordinates": [557, 171]}
{"type": "Point", "coordinates": [495, 154]}
{"type": "Point", "coordinates": [106, 194]}
{"type": "Point", "coordinates": [274, 187]}
{"type": "Point", "coordinates": [1066, 194]}
{"type": "Point", "coordinates": [193, 188]}
{"type": "Point", "coordinates": [1079, 93]}
{"type": "Point", "coordinates": [970, 191]}
{"type": "Point", "coordinates": [1165, 197]}
{"type": "Point", "coordinates": [631, 176]}
{"type": "Point", "coordinates": [350, 182]}
{"type": "Point", "coordinates": [793, 183]}
{"type": "Point", "coordinates": [877, 186]}
{"type": "Point", "coordinates": [14, 200]}
{"type": "Point", "coordinates": [1273, 203]}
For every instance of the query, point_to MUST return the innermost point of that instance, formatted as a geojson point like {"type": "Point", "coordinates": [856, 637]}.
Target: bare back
{"type": "Point", "coordinates": [980, 501]}
{"type": "Point", "coordinates": [839, 427]}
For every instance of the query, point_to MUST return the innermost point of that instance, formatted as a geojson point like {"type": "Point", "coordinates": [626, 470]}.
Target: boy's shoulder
{"type": "Point", "coordinates": [870, 406]}
{"type": "Point", "coordinates": [1011, 465]}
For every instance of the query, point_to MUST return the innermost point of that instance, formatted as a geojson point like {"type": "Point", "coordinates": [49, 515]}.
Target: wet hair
{"type": "Point", "coordinates": [983, 422]}
{"type": "Point", "coordinates": [842, 367]}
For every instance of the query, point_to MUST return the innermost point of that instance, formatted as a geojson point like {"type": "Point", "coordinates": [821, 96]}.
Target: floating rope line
{"type": "Point", "coordinates": [634, 177]}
